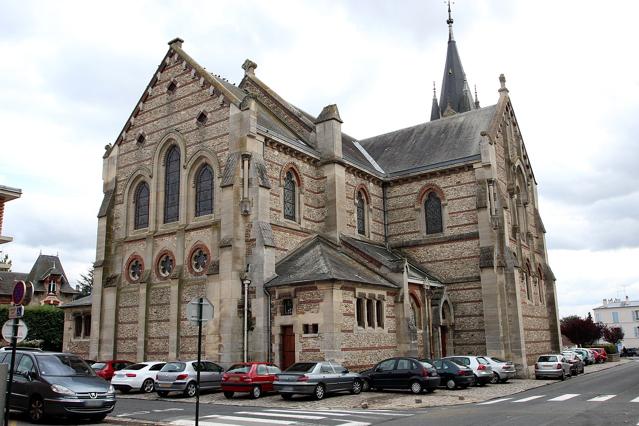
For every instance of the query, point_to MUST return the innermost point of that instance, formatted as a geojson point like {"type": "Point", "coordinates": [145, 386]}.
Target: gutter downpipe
{"type": "Point", "coordinates": [269, 353]}
{"type": "Point", "coordinates": [384, 186]}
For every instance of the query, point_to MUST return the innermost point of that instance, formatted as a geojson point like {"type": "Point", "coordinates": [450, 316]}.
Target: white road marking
{"type": "Point", "coordinates": [635, 400]}
{"type": "Point", "coordinates": [374, 412]}
{"type": "Point", "coordinates": [289, 416]}
{"type": "Point", "coordinates": [168, 409]}
{"type": "Point", "coordinates": [133, 413]}
{"type": "Point", "coordinates": [201, 423]}
{"type": "Point", "coordinates": [244, 419]}
{"type": "Point", "coordinates": [353, 424]}
{"type": "Point", "coordinates": [602, 398]}
{"type": "Point", "coordinates": [530, 398]}
{"type": "Point", "coordinates": [328, 413]}
{"type": "Point", "coordinates": [565, 397]}
{"type": "Point", "coordinates": [494, 401]}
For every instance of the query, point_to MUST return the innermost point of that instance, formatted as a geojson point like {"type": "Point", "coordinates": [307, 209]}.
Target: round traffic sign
{"type": "Point", "coordinates": [19, 292]}
{"type": "Point", "coordinates": [7, 331]}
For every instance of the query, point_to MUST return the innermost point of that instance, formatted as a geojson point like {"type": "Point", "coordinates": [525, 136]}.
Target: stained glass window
{"type": "Point", "coordinates": [172, 185]}
{"type": "Point", "coordinates": [361, 214]}
{"type": "Point", "coordinates": [204, 191]}
{"type": "Point", "coordinates": [141, 202]}
{"type": "Point", "coordinates": [199, 260]}
{"type": "Point", "coordinates": [135, 270]}
{"type": "Point", "coordinates": [433, 207]}
{"type": "Point", "coordinates": [165, 265]}
{"type": "Point", "coordinates": [289, 196]}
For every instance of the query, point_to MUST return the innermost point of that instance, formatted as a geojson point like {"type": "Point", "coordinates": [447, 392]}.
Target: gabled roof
{"type": "Point", "coordinates": [7, 280]}
{"type": "Point", "coordinates": [83, 301]}
{"type": "Point", "coordinates": [321, 260]}
{"type": "Point", "coordinates": [47, 265]}
{"type": "Point", "coordinates": [438, 143]}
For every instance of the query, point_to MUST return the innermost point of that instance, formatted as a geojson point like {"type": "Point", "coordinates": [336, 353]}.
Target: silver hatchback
{"type": "Point", "coordinates": [481, 368]}
{"type": "Point", "coordinates": [181, 376]}
{"type": "Point", "coordinates": [317, 379]}
{"type": "Point", "coordinates": [553, 366]}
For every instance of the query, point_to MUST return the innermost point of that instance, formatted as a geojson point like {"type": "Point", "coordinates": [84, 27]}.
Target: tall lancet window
{"type": "Point", "coordinates": [433, 209]}
{"type": "Point", "coordinates": [289, 196]}
{"type": "Point", "coordinates": [361, 214]}
{"type": "Point", "coordinates": [204, 191]}
{"type": "Point", "coordinates": [172, 185]}
{"type": "Point", "coordinates": [141, 206]}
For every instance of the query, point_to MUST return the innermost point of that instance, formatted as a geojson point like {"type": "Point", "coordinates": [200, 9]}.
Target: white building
{"type": "Point", "coordinates": [624, 314]}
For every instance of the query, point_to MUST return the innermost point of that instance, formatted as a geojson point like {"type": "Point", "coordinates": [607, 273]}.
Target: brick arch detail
{"type": "Point", "coordinates": [416, 298]}
{"type": "Point", "coordinates": [296, 173]}
{"type": "Point", "coordinates": [427, 189]}
{"type": "Point", "coordinates": [367, 196]}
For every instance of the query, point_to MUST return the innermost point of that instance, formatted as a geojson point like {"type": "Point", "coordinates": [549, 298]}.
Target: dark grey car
{"type": "Point", "coordinates": [181, 376]}
{"type": "Point", "coordinates": [57, 384]}
{"type": "Point", "coordinates": [317, 379]}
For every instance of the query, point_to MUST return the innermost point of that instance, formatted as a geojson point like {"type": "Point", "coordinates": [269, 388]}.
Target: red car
{"type": "Point", "coordinates": [252, 377]}
{"type": "Point", "coordinates": [106, 369]}
{"type": "Point", "coordinates": [600, 354]}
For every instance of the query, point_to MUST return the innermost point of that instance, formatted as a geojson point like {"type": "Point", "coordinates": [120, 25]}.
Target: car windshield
{"type": "Point", "coordinates": [426, 364]}
{"type": "Point", "coordinates": [98, 366]}
{"type": "Point", "coordinates": [459, 361]}
{"type": "Point", "coordinates": [239, 368]}
{"type": "Point", "coordinates": [63, 365]}
{"type": "Point", "coordinates": [497, 359]}
{"type": "Point", "coordinates": [135, 367]}
{"type": "Point", "coordinates": [173, 367]}
{"type": "Point", "coordinates": [301, 367]}
{"type": "Point", "coordinates": [547, 358]}
{"type": "Point", "coordinates": [481, 360]}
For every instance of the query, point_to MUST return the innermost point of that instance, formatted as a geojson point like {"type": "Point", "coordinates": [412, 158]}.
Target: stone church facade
{"type": "Point", "coordinates": [426, 241]}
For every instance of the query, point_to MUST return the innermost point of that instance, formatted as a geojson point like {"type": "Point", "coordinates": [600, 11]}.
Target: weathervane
{"type": "Point", "coordinates": [450, 21]}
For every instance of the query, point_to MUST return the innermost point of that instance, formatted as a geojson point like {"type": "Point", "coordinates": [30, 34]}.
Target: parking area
{"type": "Point", "coordinates": [378, 400]}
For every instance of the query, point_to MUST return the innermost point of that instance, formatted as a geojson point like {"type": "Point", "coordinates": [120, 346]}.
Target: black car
{"type": "Point", "coordinates": [453, 375]}
{"type": "Point", "coordinates": [401, 373]}
{"type": "Point", "coordinates": [57, 384]}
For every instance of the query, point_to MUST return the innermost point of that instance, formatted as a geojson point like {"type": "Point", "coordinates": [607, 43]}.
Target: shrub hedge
{"type": "Point", "coordinates": [45, 323]}
{"type": "Point", "coordinates": [609, 348]}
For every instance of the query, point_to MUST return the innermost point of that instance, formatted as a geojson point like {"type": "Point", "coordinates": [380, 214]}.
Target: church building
{"type": "Point", "coordinates": [426, 241]}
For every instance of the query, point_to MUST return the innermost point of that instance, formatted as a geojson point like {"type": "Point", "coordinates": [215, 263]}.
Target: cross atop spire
{"type": "Point", "coordinates": [450, 21]}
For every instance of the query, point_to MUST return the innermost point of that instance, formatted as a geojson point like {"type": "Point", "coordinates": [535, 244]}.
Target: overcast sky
{"type": "Point", "coordinates": [71, 72]}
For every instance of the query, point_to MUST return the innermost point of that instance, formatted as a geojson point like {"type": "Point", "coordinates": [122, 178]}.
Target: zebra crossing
{"type": "Point", "coordinates": [296, 417]}
{"type": "Point", "coordinates": [560, 398]}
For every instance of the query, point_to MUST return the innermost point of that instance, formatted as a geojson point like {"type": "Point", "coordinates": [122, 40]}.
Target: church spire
{"type": "Point", "coordinates": [455, 94]}
{"type": "Point", "coordinates": [435, 114]}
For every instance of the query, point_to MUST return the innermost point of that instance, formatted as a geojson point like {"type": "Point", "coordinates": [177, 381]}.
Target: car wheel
{"type": "Point", "coordinates": [97, 418]}
{"type": "Point", "coordinates": [366, 385]}
{"type": "Point", "coordinates": [357, 387]}
{"type": "Point", "coordinates": [190, 390]}
{"type": "Point", "coordinates": [36, 410]}
{"type": "Point", "coordinates": [147, 386]}
{"type": "Point", "coordinates": [495, 379]}
{"type": "Point", "coordinates": [162, 393]}
{"type": "Point", "coordinates": [319, 392]}
{"type": "Point", "coordinates": [256, 392]}
{"type": "Point", "coordinates": [450, 384]}
{"type": "Point", "coordinates": [416, 387]}
{"type": "Point", "coordinates": [287, 396]}
{"type": "Point", "coordinates": [229, 394]}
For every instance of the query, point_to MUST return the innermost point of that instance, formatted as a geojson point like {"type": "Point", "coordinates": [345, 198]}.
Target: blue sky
{"type": "Point", "coordinates": [72, 72]}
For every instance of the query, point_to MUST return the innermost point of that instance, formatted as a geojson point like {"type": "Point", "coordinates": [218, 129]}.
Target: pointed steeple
{"type": "Point", "coordinates": [455, 94]}
{"type": "Point", "coordinates": [476, 98]}
{"type": "Point", "coordinates": [435, 113]}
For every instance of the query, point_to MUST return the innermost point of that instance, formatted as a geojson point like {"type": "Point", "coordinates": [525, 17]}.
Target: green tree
{"type": "Point", "coordinates": [85, 283]}
{"type": "Point", "coordinates": [45, 323]}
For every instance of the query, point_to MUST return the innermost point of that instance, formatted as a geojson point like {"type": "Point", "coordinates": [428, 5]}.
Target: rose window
{"type": "Point", "coordinates": [135, 269]}
{"type": "Point", "coordinates": [165, 265]}
{"type": "Point", "coordinates": [199, 260]}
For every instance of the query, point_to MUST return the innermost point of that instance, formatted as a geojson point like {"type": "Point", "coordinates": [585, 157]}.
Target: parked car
{"type": "Point", "coordinates": [576, 364]}
{"type": "Point", "coordinates": [587, 355]}
{"type": "Point", "coordinates": [252, 377]}
{"type": "Point", "coordinates": [630, 352]}
{"type": "Point", "coordinates": [58, 385]}
{"type": "Point", "coordinates": [317, 379]}
{"type": "Point", "coordinates": [106, 369]}
{"type": "Point", "coordinates": [603, 356]}
{"type": "Point", "coordinates": [139, 376]}
{"type": "Point", "coordinates": [453, 375]}
{"type": "Point", "coordinates": [502, 370]}
{"type": "Point", "coordinates": [181, 376]}
{"type": "Point", "coordinates": [480, 366]}
{"type": "Point", "coordinates": [402, 373]}
{"type": "Point", "coordinates": [553, 366]}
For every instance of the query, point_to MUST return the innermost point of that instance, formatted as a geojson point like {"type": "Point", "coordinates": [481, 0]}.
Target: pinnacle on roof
{"type": "Point", "coordinates": [435, 113]}
{"type": "Point", "coordinates": [455, 95]}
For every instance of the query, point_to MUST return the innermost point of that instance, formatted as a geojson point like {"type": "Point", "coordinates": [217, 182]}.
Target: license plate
{"type": "Point", "coordinates": [234, 379]}
{"type": "Point", "coordinates": [164, 385]}
{"type": "Point", "coordinates": [287, 389]}
{"type": "Point", "coordinates": [93, 403]}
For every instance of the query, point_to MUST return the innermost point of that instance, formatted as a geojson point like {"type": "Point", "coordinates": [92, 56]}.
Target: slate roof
{"type": "Point", "coordinates": [438, 143]}
{"type": "Point", "coordinates": [44, 266]}
{"type": "Point", "coordinates": [7, 279]}
{"type": "Point", "coordinates": [321, 260]}
{"type": "Point", "coordinates": [83, 301]}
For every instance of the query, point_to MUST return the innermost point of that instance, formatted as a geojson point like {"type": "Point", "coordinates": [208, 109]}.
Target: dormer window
{"type": "Point", "coordinates": [52, 287]}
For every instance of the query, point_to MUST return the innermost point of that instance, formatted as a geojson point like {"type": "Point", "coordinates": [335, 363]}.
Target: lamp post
{"type": "Point", "coordinates": [246, 282]}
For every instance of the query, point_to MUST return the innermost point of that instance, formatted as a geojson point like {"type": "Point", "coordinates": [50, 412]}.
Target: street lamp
{"type": "Point", "coordinates": [246, 282]}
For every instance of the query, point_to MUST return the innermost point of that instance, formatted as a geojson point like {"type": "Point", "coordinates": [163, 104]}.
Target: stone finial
{"type": "Point", "coordinates": [502, 83]}
{"type": "Point", "coordinates": [249, 67]}
{"type": "Point", "coordinates": [248, 102]}
{"type": "Point", "coordinates": [176, 41]}
{"type": "Point", "coordinates": [330, 112]}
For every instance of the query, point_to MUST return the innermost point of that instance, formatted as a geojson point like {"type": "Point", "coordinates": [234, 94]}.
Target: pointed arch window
{"type": "Point", "coordinates": [204, 191]}
{"type": "Point", "coordinates": [172, 185]}
{"type": "Point", "coordinates": [433, 209]}
{"type": "Point", "coordinates": [141, 205]}
{"type": "Point", "coordinates": [361, 214]}
{"type": "Point", "coordinates": [289, 196]}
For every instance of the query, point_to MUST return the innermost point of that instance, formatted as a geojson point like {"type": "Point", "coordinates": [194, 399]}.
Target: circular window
{"type": "Point", "coordinates": [165, 265]}
{"type": "Point", "coordinates": [199, 260]}
{"type": "Point", "coordinates": [135, 268]}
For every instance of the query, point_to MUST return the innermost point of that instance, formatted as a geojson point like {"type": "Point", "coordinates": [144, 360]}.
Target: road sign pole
{"type": "Point", "coordinates": [199, 360]}
{"type": "Point", "coordinates": [14, 342]}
